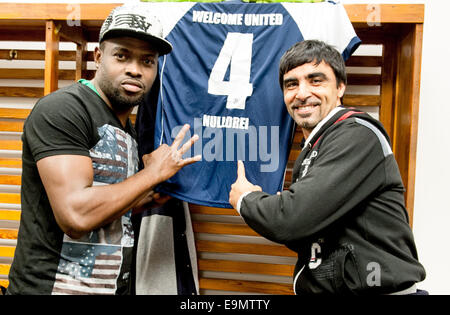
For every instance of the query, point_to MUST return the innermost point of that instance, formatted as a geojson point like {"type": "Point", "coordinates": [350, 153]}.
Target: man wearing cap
{"type": "Point", "coordinates": [80, 175]}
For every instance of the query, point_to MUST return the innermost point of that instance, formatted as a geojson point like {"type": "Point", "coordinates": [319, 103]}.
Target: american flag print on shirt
{"type": "Point", "coordinates": [88, 269]}
{"type": "Point", "coordinates": [94, 264]}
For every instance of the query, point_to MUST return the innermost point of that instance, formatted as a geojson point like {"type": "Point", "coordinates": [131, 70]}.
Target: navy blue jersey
{"type": "Point", "coordinates": [222, 79]}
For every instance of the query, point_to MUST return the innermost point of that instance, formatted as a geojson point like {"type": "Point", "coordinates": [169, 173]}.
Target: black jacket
{"type": "Point", "coordinates": [344, 213]}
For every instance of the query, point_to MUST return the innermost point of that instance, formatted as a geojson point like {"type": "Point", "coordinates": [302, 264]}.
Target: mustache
{"type": "Point", "coordinates": [299, 103]}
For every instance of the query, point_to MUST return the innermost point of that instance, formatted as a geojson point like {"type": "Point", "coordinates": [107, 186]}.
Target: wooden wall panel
{"type": "Point", "coordinates": [51, 57]}
{"type": "Point", "coordinates": [409, 56]}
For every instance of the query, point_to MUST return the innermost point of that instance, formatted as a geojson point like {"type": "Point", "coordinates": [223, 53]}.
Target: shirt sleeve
{"type": "Point", "coordinates": [348, 168]}
{"type": "Point", "coordinates": [58, 124]}
{"type": "Point", "coordinates": [337, 31]}
{"type": "Point", "coordinates": [238, 206]}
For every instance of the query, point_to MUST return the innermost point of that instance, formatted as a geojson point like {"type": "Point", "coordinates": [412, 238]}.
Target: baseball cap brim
{"type": "Point", "coordinates": [161, 45]}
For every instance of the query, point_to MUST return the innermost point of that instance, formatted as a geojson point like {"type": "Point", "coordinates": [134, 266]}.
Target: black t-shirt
{"type": "Point", "coordinates": [73, 120]}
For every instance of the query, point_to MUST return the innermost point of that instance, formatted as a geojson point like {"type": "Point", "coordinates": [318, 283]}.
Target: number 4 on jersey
{"type": "Point", "coordinates": [236, 53]}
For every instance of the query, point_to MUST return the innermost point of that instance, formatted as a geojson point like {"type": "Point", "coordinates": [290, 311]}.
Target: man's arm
{"type": "Point", "coordinates": [80, 207]}
{"type": "Point", "coordinates": [347, 170]}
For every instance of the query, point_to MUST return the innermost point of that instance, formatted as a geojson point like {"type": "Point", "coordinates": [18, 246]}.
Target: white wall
{"type": "Point", "coordinates": [432, 209]}
{"type": "Point", "coordinates": [432, 214]}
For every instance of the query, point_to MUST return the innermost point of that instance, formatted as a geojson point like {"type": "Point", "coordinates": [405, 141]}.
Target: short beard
{"type": "Point", "coordinates": [119, 102]}
{"type": "Point", "coordinates": [307, 126]}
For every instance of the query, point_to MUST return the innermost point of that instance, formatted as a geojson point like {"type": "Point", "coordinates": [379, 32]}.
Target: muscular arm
{"type": "Point", "coordinates": [80, 207]}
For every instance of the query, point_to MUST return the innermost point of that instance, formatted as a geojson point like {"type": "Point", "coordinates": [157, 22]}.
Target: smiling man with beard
{"type": "Point", "coordinates": [344, 213]}
{"type": "Point", "coordinates": [80, 175]}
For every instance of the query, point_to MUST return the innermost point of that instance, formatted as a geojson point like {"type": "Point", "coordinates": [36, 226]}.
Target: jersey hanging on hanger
{"type": "Point", "coordinates": [222, 79]}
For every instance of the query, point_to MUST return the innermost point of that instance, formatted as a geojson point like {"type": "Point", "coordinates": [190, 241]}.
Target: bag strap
{"type": "Point", "coordinates": [343, 117]}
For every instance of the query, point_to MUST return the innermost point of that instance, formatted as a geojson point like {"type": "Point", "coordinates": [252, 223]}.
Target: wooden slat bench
{"type": "Point", "coordinates": [232, 258]}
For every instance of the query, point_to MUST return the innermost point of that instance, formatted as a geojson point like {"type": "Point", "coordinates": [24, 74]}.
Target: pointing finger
{"type": "Point", "coordinates": [241, 170]}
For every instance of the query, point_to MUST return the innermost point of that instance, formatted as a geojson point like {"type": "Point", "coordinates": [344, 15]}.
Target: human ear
{"type": "Point", "coordinates": [341, 89]}
{"type": "Point", "coordinates": [97, 56]}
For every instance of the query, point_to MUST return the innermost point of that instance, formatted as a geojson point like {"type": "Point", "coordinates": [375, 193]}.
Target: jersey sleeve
{"type": "Point", "coordinates": [325, 21]}
{"type": "Point", "coordinates": [58, 125]}
{"type": "Point", "coordinates": [169, 13]}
